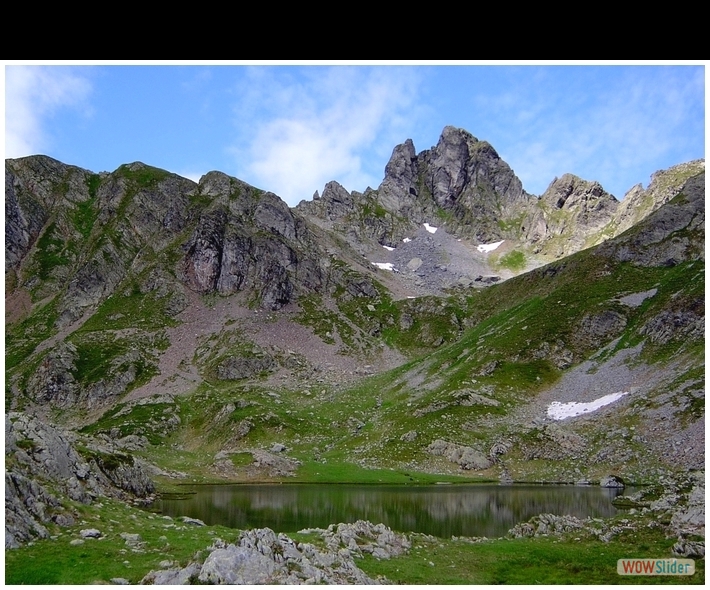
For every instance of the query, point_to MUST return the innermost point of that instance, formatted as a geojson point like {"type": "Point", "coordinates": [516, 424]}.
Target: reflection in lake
{"type": "Point", "coordinates": [468, 510]}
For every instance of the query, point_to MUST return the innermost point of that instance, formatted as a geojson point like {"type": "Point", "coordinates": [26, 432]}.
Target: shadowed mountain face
{"type": "Point", "coordinates": [427, 325]}
{"type": "Point", "coordinates": [90, 232]}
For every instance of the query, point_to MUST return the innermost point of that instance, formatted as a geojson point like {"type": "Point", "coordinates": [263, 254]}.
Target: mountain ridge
{"type": "Point", "coordinates": [464, 185]}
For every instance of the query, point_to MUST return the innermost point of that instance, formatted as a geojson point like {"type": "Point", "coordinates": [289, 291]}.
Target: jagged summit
{"type": "Point", "coordinates": [570, 215]}
{"type": "Point", "coordinates": [462, 185]}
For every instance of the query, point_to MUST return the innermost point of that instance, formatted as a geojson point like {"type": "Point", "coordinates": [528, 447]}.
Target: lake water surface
{"type": "Point", "coordinates": [441, 510]}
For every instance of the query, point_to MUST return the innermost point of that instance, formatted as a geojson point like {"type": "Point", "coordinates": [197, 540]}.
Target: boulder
{"type": "Point", "coordinates": [611, 481]}
{"type": "Point", "coordinates": [465, 457]}
{"type": "Point", "coordinates": [237, 565]}
{"type": "Point", "coordinates": [686, 548]}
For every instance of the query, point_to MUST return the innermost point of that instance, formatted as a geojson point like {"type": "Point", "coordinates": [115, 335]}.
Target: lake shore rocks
{"type": "Point", "coordinates": [261, 556]}
{"type": "Point", "coordinates": [544, 525]}
{"type": "Point", "coordinates": [679, 509]}
{"type": "Point", "coordinates": [612, 481]}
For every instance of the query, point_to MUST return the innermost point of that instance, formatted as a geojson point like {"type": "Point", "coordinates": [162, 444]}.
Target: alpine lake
{"type": "Point", "coordinates": [475, 510]}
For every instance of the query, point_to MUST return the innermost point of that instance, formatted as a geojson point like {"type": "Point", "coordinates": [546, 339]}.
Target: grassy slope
{"type": "Point", "coordinates": [341, 432]}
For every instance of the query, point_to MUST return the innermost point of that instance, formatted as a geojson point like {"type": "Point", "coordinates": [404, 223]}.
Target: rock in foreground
{"type": "Point", "coordinates": [260, 556]}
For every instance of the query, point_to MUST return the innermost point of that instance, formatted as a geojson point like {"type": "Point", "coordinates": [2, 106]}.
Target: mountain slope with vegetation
{"type": "Point", "coordinates": [440, 327]}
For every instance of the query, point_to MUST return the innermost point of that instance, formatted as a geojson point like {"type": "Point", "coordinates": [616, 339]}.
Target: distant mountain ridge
{"type": "Point", "coordinates": [245, 238]}
{"type": "Point", "coordinates": [464, 185]}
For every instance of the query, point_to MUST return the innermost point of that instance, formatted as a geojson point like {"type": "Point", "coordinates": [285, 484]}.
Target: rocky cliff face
{"type": "Point", "coordinates": [251, 241]}
{"type": "Point", "coordinates": [43, 467]}
{"type": "Point", "coordinates": [568, 216]}
{"type": "Point", "coordinates": [665, 184]}
{"type": "Point", "coordinates": [461, 183]}
{"type": "Point", "coordinates": [76, 234]}
{"type": "Point", "coordinates": [671, 234]}
{"type": "Point", "coordinates": [80, 235]}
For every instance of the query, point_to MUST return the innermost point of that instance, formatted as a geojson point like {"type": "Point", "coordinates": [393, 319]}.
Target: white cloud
{"type": "Point", "coordinates": [299, 131]}
{"type": "Point", "coordinates": [32, 94]}
{"type": "Point", "coordinates": [191, 175]}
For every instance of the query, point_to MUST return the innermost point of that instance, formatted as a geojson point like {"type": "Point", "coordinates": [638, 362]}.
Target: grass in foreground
{"type": "Point", "coordinates": [56, 561]}
{"type": "Point", "coordinates": [525, 561]}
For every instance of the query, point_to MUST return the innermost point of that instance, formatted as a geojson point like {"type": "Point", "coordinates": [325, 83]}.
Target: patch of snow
{"type": "Point", "coordinates": [387, 247]}
{"type": "Point", "coordinates": [560, 411]}
{"type": "Point", "coordinates": [384, 265]}
{"type": "Point", "coordinates": [430, 228]}
{"type": "Point", "coordinates": [489, 247]}
{"type": "Point", "coordinates": [407, 240]}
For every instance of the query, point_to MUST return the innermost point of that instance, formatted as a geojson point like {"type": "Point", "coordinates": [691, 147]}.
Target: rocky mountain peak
{"type": "Point", "coordinates": [570, 191]}
{"type": "Point", "coordinates": [571, 214]}
{"type": "Point", "coordinates": [335, 203]}
{"type": "Point", "coordinates": [399, 185]}
{"type": "Point", "coordinates": [460, 162]}
{"type": "Point", "coordinates": [461, 183]}
{"type": "Point", "coordinates": [665, 184]}
{"type": "Point", "coordinates": [215, 184]}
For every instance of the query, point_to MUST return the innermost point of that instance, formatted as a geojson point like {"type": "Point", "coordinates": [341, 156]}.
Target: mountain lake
{"type": "Point", "coordinates": [475, 510]}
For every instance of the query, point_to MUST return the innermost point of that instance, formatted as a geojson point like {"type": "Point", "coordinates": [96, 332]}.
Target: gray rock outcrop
{"type": "Point", "coordinates": [234, 368]}
{"type": "Point", "coordinates": [260, 556]}
{"type": "Point", "coordinates": [275, 465]}
{"type": "Point", "coordinates": [687, 548]}
{"type": "Point", "coordinates": [668, 236]}
{"type": "Point", "coordinates": [465, 457]}
{"type": "Point", "coordinates": [570, 213]}
{"type": "Point", "coordinates": [689, 515]}
{"type": "Point", "coordinates": [611, 481]}
{"type": "Point", "coordinates": [639, 203]}
{"type": "Point", "coordinates": [40, 458]}
{"type": "Point", "coordinates": [249, 240]}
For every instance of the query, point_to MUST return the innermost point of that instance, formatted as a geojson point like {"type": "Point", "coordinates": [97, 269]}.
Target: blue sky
{"type": "Point", "coordinates": [291, 129]}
